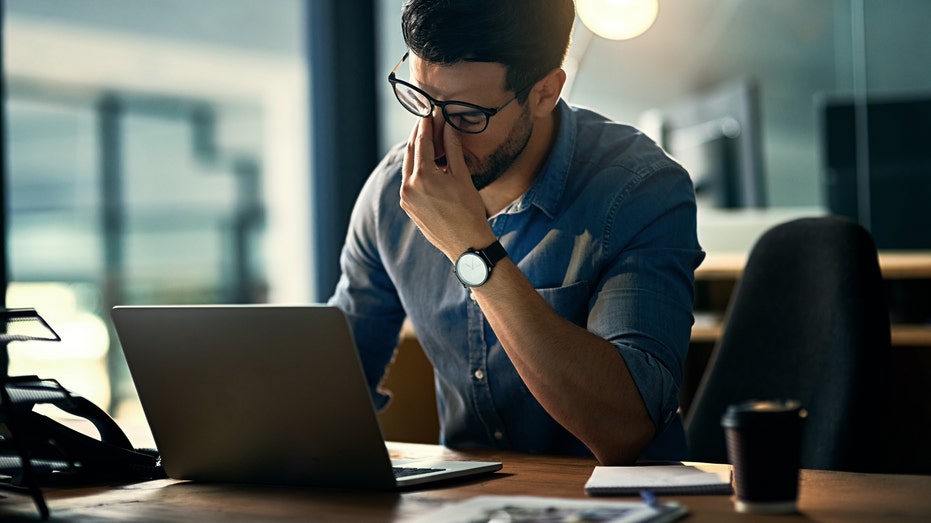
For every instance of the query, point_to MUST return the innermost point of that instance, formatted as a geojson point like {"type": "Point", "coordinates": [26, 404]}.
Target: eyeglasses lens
{"type": "Point", "coordinates": [466, 119]}
{"type": "Point", "coordinates": [412, 100]}
{"type": "Point", "coordinates": [463, 117]}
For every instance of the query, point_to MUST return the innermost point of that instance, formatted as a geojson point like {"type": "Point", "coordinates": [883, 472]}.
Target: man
{"type": "Point", "coordinates": [565, 324]}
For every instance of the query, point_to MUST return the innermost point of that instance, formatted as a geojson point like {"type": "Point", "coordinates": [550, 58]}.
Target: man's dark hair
{"type": "Point", "coordinates": [529, 37]}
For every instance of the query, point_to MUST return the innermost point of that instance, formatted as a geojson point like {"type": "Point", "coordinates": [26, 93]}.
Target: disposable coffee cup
{"type": "Point", "coordinates": [764, 443]}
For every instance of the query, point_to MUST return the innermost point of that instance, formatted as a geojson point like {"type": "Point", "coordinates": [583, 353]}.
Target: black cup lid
{"type": "Point", "coordinates": [750, 412]}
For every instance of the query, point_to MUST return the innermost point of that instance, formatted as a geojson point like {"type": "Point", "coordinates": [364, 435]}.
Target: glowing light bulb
{"type": "Point", "coordinates": [618, 19]}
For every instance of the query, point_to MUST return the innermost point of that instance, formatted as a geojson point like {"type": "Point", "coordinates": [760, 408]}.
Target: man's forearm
{"type": "Point", "coordinates": [578, 377]}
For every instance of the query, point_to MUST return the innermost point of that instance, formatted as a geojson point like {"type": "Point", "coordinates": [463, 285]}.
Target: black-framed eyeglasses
{"type": "Point", "coordinates": [463, 116]}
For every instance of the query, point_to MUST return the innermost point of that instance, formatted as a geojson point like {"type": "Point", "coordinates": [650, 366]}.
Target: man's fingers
{"type": "Point", "coordinates": [409, 154]}
{"type": "Point", "coordinates": [455, 161]}
{"type": "Point", "coordinates": [423, 145]}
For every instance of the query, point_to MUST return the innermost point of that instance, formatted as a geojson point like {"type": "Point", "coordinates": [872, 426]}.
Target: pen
{"type": "Point", "coordinates": [648, 497]}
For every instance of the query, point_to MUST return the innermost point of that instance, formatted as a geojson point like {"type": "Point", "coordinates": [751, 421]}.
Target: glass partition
{"type": "Point", "coordinates": [157, 154]}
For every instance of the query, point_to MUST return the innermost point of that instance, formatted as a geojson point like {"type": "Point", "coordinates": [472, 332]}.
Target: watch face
{"type": "Point", "coordinates": [471, 269]}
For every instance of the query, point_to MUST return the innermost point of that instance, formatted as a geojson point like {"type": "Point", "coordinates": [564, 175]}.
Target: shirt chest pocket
{"type": "Point", "coordinates": [570, 301]}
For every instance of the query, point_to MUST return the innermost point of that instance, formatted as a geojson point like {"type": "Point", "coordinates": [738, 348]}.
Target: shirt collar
{"type": "Point", "coordinates": [547, 190]}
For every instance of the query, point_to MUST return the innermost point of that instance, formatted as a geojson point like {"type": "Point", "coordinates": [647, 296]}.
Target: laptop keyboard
{"type": "Point", "coordinates": [403, 472]}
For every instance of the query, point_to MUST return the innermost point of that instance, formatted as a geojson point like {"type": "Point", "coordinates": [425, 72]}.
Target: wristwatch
{"type": "Point", "coordinates": [473, 268]}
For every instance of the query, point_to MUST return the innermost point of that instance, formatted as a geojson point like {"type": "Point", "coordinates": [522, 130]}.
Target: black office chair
{"type": "Point", "coordinates": [808, 320]}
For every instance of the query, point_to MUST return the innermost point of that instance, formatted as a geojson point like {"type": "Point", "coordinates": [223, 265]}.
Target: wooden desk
{"type": "Point", "coordinates": [824, 496]}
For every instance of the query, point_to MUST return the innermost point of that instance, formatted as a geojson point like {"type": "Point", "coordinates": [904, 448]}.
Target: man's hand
{"type": "Point", "coordinates": [442, 201]}
{"type": "Point", "coordinates": [577, 376]}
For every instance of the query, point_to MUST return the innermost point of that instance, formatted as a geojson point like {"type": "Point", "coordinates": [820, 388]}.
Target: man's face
{"type": "Point", "coordinates": [489, 154]}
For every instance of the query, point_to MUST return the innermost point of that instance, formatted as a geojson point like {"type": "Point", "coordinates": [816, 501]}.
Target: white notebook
{"type": "Point", "coordinates": [660, 479]}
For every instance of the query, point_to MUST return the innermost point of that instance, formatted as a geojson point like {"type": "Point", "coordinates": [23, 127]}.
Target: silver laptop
{"type": "Point", "coordinates": [263, 394]}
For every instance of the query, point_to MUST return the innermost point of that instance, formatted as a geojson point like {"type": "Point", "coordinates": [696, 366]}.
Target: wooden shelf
{"type": "Point", "coordinates": [905, 265]}
{"type": "Point", "coordinates": [721, 266]}
{"type": "Point", "coordinates": [911, 335]}
{"type": "Point", "coordinates": [706, 334]}
{"type": "Point", "coordinates": [897, 265]}
{"type": "Point", "coordinates": [902, 335]}
{"type": "Point", "coordinates": [722, 269]}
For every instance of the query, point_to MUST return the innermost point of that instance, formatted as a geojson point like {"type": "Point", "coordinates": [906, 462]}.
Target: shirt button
{"type": "Point", "coordinates": [479, 374]}
{"type": "Point", "coordinates": [498, 435]}
{"type": "Point", "coordinates": [472, 296]}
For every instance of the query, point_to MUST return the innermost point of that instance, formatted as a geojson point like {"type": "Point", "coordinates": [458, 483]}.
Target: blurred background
{"type": "Point", "coordinates": [170, 151]}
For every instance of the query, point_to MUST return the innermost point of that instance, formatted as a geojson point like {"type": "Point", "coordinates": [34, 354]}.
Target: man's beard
{"type": "Point", "coordinates": [502, 158]}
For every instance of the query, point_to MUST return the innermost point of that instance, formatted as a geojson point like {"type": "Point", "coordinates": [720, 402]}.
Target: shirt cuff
{"type": "Point", "coordinates": [658, 389]}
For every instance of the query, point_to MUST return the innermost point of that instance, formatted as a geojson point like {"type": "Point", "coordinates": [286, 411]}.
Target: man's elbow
{"type": "Point", "coordinates": [624, 446]}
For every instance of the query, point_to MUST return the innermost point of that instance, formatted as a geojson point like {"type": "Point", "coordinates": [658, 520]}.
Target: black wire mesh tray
{"type": "Point", "coordinates": [25, 325]}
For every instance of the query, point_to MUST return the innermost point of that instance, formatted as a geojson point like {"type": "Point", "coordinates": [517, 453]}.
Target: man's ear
{"type": "Point", "coordinates": [545, 93]}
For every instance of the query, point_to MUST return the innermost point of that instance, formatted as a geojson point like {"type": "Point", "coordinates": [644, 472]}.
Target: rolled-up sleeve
{"type": "Point", "coordinates": [644, 302]}
{"type": "Point", "coordinates": [365, 291]}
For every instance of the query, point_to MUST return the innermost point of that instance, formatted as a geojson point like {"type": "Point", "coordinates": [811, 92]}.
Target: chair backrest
{"type": "Point", "coordinates": [808, 320]}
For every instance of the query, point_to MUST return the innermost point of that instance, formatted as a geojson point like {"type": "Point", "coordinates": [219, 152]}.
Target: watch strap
{"type": "Point", "coordinates": [493, 253]}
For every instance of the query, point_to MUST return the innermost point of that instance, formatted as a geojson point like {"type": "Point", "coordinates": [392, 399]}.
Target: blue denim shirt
{"type": "Point", "coordinates": [606, 234]}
